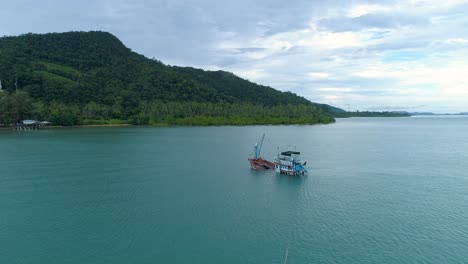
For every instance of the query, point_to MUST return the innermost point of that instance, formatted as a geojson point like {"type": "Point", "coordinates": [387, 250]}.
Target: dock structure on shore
{"type": "Point", "coordinates": [28, 125]}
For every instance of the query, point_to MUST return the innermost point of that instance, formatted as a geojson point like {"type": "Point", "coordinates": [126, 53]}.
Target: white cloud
{"type": "Point", "coordinates": [331, 98]}
{"type": "Point", "coordinates": [364, 9]}
{"type": "Point", "coordinates": [336, 89]}
{"type": "Point", "coordinates": [436, 4]}
{"type": "Point", "coordinates": [457, 41]}
{"type": "Point", "coordinates": [396, 53]}
{"type": "Point", "coordinates": [327, 40]}
{"type": "Point", "coordinates": [318, 75]}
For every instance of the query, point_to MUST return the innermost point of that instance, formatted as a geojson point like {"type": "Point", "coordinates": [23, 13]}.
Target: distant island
{"type": "Point", "coordinates": [434, 114]}
{"type": "Point", "coordinates": [346, 114]}
{"type": "Point", "coordinates": [86, 78]}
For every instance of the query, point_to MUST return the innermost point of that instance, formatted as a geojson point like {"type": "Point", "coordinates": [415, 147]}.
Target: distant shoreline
{"type": "Point", "coordinates": [234, 124]}
{"type": "Point", "coordinates": [439, 115]}
{"type": "Point", "coordinates": [173, 125]}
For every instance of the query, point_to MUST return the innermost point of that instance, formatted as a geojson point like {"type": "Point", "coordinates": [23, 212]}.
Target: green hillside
{"type": "Point", "coordinates": [91, 78]}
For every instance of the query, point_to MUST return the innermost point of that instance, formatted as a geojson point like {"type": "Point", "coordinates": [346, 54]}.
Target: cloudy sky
{"type": "Point", "coordinates": [359, 55]}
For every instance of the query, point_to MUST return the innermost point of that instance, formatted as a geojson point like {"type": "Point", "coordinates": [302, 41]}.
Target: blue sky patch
{"type": "Point", "coordinates": [403, 56]}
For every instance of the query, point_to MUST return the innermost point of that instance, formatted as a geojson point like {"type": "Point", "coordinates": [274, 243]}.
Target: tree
{"type": "Point", "coordinates": [15, 107]}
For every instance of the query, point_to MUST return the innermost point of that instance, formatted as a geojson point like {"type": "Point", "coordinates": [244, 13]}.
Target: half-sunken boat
{"type": "Point", "coordinates": [256, 160]}
{"type": "Point", "coordinates": [289, 162]}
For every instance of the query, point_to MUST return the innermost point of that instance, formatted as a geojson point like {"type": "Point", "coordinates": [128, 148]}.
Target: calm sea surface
{"type": "Point", "coordinates": [389, 190]}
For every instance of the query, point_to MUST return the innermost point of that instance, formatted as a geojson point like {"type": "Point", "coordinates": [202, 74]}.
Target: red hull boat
{"type": "Point", "coordinates": [261, 164]}
{"type": "Point", "coordinates": [256, 161]}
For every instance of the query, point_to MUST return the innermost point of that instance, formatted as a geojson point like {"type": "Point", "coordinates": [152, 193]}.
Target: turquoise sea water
{"type": "Point", "coordinates": [389, 190]}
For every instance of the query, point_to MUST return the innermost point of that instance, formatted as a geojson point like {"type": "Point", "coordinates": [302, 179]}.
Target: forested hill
{"type": "Point", "coordinates": [86, 77]}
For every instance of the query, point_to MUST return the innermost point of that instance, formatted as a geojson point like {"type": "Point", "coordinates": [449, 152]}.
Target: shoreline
{"type": "Point", "coordinates": [173, 125]}
{"type": "Point", "coordinates": [186, 125]}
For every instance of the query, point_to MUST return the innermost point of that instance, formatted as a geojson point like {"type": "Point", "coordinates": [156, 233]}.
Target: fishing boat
{"type": "Point", "coordinates": [289, 162]}
{"type": "Point", "coordinates": [256, 160]}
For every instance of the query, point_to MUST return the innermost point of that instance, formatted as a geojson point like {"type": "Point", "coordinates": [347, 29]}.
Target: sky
{"type": "Point", "coordinates": [358, 55]}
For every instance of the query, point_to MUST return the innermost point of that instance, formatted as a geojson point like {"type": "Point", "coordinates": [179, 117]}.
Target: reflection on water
{"type": "Point", "coordinates": [291, 180]}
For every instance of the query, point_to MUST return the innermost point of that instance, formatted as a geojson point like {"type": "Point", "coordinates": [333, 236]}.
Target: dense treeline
{"type": "Point", "coordinates": [18, 106]}
{"type": "Point", "coordinates": [91, 77]}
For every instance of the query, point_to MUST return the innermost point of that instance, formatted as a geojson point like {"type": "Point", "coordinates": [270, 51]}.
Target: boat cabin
{"type": "Point", "coordinates": [289, 162]}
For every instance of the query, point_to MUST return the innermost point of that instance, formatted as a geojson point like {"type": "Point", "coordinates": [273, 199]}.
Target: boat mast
{"type": "Point", "coordinates": [258, 147]}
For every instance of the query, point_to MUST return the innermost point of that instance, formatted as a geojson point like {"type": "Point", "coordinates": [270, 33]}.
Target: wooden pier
{"type": "Point", "coordinates": [31, 125]}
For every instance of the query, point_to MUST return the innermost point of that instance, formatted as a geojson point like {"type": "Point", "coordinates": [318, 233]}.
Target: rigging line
{"type": "Point", "coordinates": [286, 256]}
